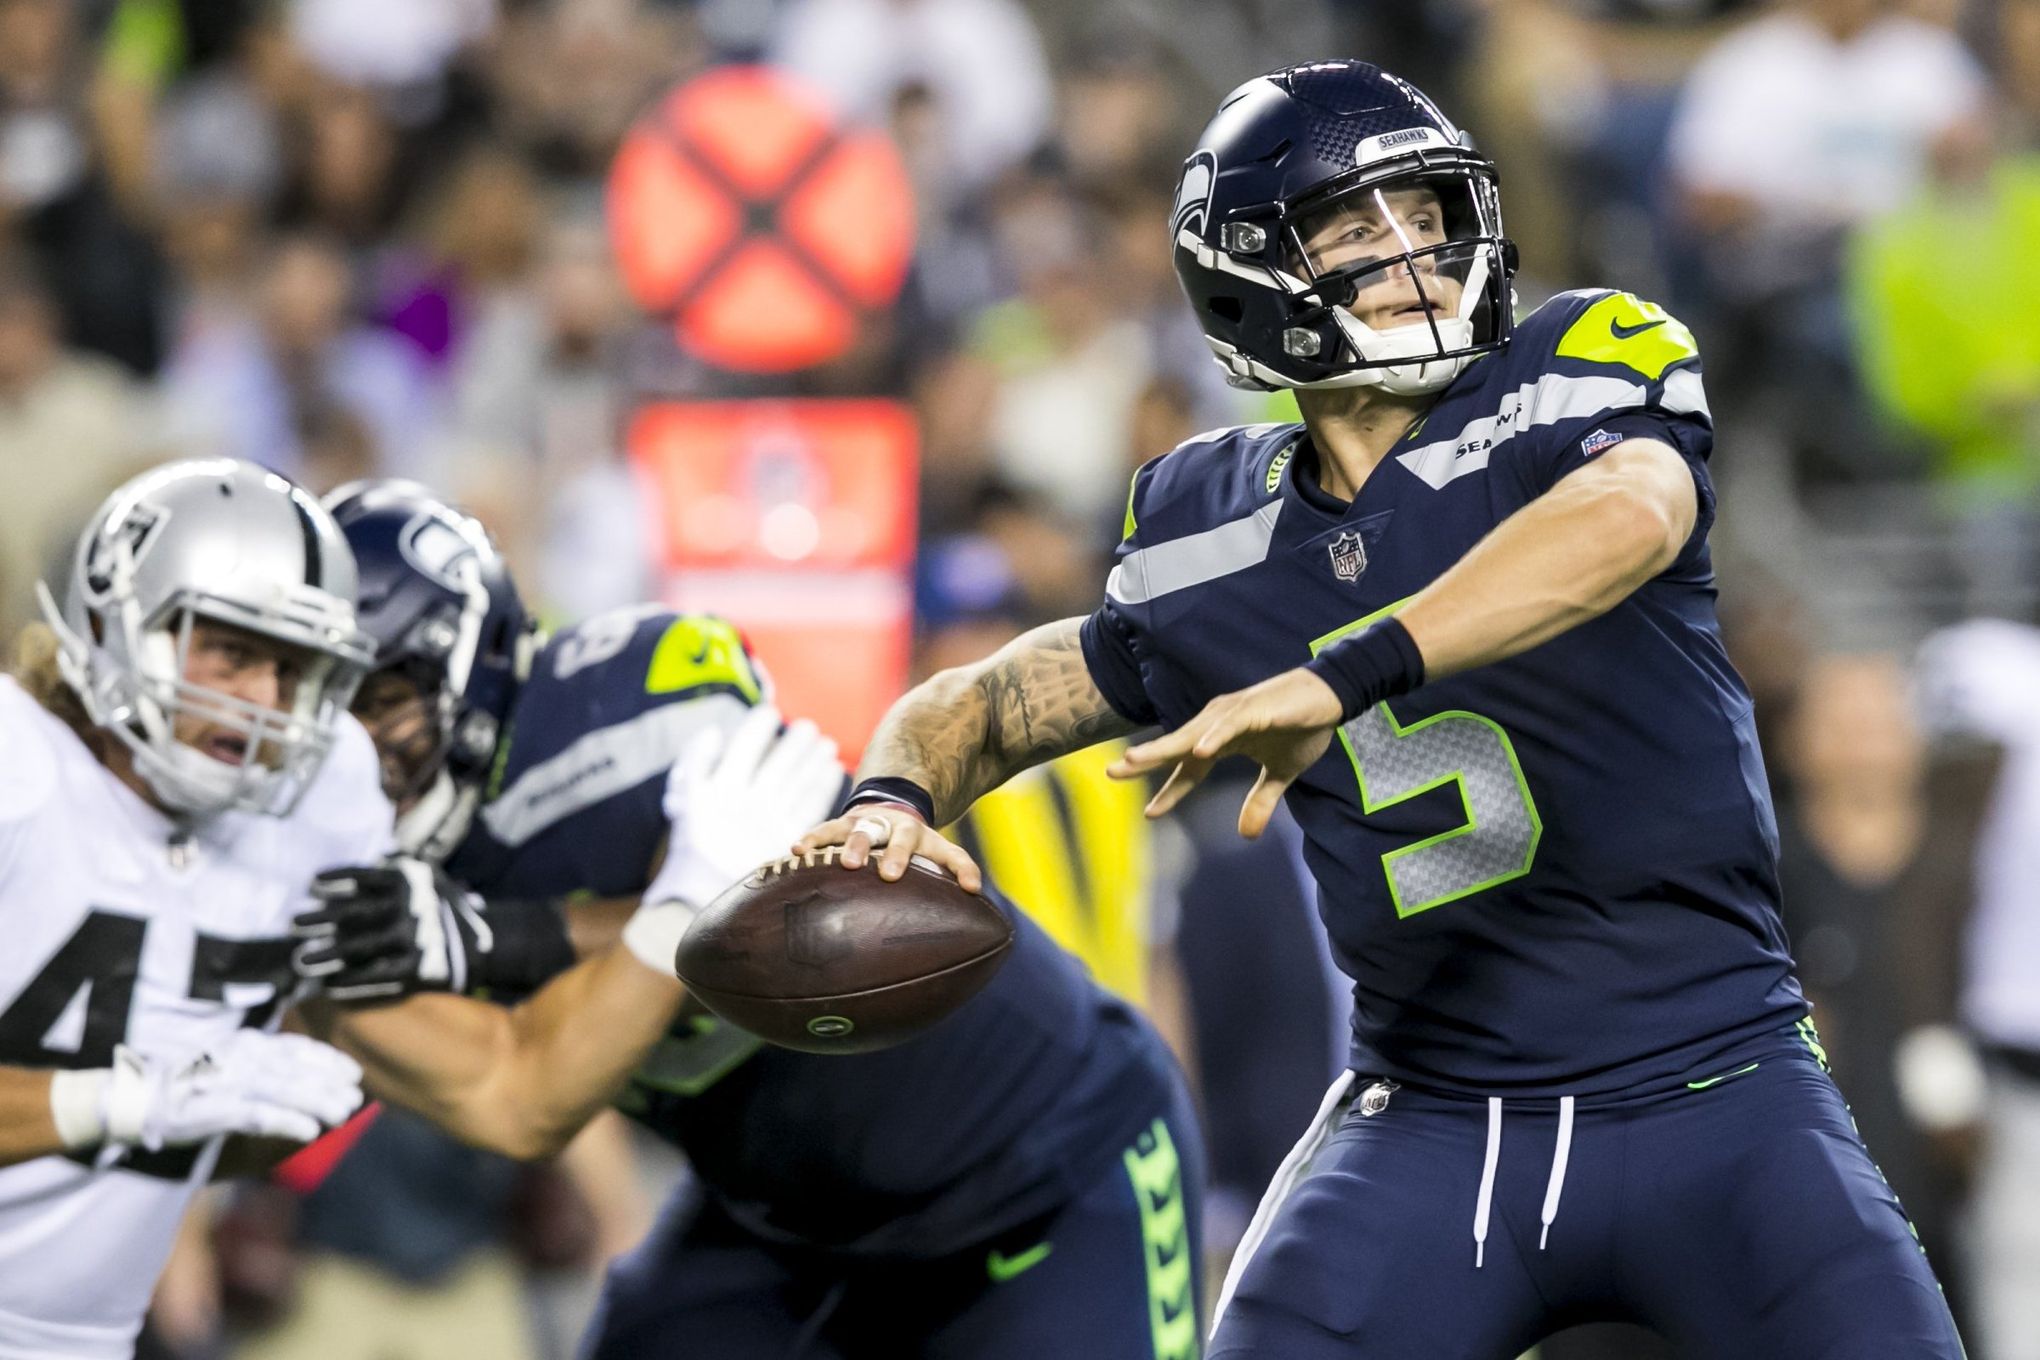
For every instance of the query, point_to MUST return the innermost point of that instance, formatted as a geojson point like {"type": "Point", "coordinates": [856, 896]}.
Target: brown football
{"type": "Point", "coordinates": [809, 955]}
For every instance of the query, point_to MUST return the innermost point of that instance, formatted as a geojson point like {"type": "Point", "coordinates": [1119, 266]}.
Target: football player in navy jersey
{"type": "Point", "coordinates": [1021, 1181]}
{"type": "Point", "coordinates": [1463, 619]}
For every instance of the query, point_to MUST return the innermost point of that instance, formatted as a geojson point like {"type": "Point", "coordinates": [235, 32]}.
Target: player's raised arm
{"type": "Point", "coordinates": [519, 1081]}
{"type": "Point", "coordinates": [958, 735]}
{"type": "Point", "coordinates": [524, 1081]}
{"type": "Point", "coordinates": [1569, 556]}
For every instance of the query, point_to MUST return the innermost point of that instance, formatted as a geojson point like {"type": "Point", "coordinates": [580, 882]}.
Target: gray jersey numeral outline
{"type": "Point", "coordinates": [1394, 762]}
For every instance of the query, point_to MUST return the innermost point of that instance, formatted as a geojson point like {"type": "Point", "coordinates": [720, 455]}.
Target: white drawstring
{"type": "Point", "coordinates": [1556, 1185]}
{"type": "Point", "coordinates": [1553, 1188]}
{"type": "Point", "coordinates": [1487, 1180]}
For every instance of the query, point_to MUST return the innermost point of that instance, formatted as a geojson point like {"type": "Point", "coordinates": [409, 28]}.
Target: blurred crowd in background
{"type": "Point", "coordinates": [365, 237]}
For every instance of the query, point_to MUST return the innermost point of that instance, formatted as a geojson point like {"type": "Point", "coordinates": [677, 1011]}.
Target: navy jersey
{"type": "Point", "coordinates": [1551, 875]}
{"type": "Point", "coordinates": [992, 1118]}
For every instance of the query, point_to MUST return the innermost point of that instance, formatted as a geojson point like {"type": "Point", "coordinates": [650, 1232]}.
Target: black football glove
{"type": "Point", "coordinates": [387, 930]}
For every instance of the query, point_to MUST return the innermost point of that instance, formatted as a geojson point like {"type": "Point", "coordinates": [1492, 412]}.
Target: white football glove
{"type": "Point", "coordinates": [736, 798]}
{"type": "Point", "coordinates": [266, 1085]}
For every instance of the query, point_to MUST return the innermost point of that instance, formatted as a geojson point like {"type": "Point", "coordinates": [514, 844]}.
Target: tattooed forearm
{"type": "Point", "coordinates": [1042, 700]}
{"type": "Point", "coordinates": [966, 731]}
{"type": "Point", "coordinates": [935, 736]}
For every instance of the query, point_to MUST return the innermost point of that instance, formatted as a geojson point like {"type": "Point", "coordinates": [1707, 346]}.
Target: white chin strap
{"type": "Point", "coordinates": [1412, 379]}
{"type": "Point", "coordinates": [438, 822]}
{"type": "Point", "coordinates": [189, 780]}
{"type": "Point", "coordinates": [1415, 379]}
{"type": "Point", "coordinates": [185, 779]}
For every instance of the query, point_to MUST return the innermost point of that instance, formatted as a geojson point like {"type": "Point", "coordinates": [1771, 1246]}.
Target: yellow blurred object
{"type": "Point", "coordinates": [1073, 850]}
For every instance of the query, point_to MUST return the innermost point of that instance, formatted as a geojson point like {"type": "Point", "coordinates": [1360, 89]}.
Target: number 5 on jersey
{"type": "Point", "coordinates": [1496, 838]}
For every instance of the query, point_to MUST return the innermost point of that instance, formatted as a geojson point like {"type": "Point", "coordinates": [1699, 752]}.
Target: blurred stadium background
{"type": "Point", "coordinates": [395, 237]}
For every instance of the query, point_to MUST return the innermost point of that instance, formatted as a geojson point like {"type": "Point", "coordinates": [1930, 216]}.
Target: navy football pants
{"type": "Point", "coordinates": [1111, 1275]}
{"type": "Point", "coordinates": [1739, 1217]}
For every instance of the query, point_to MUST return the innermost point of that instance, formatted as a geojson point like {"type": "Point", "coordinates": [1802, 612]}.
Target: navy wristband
{"type": "Point", "coordinates": [1378, 662]}
{"type": "Point", "coordinates": [891, 789]}
{"type": "Point", "coordinates": [531, 947]}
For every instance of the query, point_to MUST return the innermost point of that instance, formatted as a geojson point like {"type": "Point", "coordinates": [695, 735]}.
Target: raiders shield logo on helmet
{"type": "Point", "coordinates": [105, 558]}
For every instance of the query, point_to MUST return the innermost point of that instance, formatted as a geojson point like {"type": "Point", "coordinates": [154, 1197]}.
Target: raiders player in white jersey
{"type": "Point", "coordinates": [180, 771]}
{"type": "Point", "coordinates": [175, 764]}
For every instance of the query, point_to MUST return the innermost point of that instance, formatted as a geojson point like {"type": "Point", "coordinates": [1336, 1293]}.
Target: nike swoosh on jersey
{"type": "Point", "coordinates": [1002, 1267]}
{"type": "Point", "coordinates": [1622, 332]}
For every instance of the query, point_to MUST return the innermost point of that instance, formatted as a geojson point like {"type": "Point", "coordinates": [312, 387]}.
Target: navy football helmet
{"type": "Point", "coordinates": [1335, 229]}
{"type": "Point", "coordinates": [438, 600]}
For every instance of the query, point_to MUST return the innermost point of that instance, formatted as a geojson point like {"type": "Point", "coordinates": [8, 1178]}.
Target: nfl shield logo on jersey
{"type": "Point", "coordinates": [1598, 443]}
{"type": "Point", "coordinates": [1349, 556]}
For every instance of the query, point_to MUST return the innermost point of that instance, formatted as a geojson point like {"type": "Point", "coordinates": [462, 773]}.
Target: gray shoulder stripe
{"type": "Point", "coordinates": [602, 764]}
{"type": "Point", "coordinates": [1552, 398]}
{"type": "Point", "coordinates": [1685, 394]}
{"type": "Point", "coordinates": [1148, 573]}
{"type": "Point", "coordinates": [1212, 436]}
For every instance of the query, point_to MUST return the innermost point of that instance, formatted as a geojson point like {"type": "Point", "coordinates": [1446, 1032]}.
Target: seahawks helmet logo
{"type": "Point", "coordinates": [1193, 195]}
{"type": "Point", "coordinates": [440, 550]}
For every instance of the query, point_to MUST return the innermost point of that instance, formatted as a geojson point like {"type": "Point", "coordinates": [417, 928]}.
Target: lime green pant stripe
{"type": "Point", "coordinates": [1157, 1176]}
{"type": "Point", "coordinates": [1810, 1036]}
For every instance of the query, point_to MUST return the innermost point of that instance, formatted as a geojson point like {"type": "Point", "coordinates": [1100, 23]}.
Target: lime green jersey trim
{"type": "Point", "coordinates": [698, 650]}
{"type": "Point", "coordinates": [696, 1053]}
{"type": "Point", "coordinates": [1277, 464]}
{"type": "Point", "coordinates": [1624, 329]}
{"type": "Point", "coordinates": [494, 786]}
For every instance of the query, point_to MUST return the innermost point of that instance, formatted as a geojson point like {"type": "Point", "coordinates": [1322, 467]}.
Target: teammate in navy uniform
{"type": "Point", "coordinates": [1022, 1181]}
{"type": "Point", "coordinates": [1583, 1084]}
